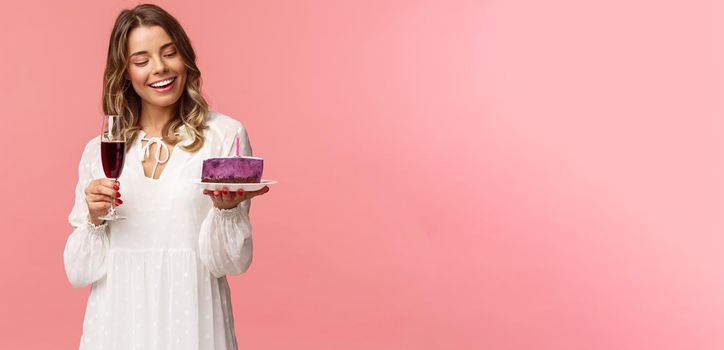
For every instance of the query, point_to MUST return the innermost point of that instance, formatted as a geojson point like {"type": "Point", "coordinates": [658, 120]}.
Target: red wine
{"type": "Point", "coordinates": [113, 155]}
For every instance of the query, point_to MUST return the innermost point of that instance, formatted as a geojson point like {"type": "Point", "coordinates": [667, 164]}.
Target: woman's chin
{"type": "Point", "coordinates": [162, 102]}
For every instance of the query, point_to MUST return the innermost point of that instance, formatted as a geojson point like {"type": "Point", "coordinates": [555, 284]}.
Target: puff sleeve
{"type": "Point", "coordinates": [225, 242]}
{"type": "Point", "coordinates": [87, 246]}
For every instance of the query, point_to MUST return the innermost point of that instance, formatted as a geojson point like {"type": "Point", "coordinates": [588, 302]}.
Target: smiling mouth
{"type": "Point", "coordinates": [164, 84]}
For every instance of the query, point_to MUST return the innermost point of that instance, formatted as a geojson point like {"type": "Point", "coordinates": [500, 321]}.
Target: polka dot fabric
{"type": "Point", "coordinates": [158, 278]}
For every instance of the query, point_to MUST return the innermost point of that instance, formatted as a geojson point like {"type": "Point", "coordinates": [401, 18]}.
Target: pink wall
{"type": "Point", "coordinates": [485, 174]}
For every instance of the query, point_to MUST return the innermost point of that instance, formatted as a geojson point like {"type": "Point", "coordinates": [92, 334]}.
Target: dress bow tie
{"type": "Point", "coordinates": [147, 152]}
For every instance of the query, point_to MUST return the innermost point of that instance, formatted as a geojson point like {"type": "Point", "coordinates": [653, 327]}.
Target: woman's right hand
{"type": "Point", "coordinates": [98, 197]}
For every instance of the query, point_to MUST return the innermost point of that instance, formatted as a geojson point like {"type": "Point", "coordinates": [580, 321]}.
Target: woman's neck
{"type": "Point", "coordinates": [154, 118]}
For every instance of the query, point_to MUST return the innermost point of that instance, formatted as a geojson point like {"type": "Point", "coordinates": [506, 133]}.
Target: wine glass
{"type": "Point", "coordinates": [113, 154]}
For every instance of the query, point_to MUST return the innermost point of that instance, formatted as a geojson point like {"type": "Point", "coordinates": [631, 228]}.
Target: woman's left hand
{"type": "Point", "coordinates": [225, 199]}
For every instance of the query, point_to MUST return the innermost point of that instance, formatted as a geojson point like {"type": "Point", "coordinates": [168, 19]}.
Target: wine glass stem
{"type": "Point", "coordinates": [112, 210]}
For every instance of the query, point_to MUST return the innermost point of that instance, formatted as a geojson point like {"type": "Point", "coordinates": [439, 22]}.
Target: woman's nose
{"type": "Point", "coordinates": [159, 66]}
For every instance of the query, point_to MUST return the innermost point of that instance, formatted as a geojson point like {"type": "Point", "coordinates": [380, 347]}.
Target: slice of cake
{"type": "Point", "coordinates": [232, 170]}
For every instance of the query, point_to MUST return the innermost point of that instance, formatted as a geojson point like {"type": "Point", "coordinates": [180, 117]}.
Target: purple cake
{"type": "Point", "coordinates": [232, 170]}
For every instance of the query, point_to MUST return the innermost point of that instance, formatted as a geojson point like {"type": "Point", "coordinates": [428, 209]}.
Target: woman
{"type": "Point", "coordinates": [158, 278]}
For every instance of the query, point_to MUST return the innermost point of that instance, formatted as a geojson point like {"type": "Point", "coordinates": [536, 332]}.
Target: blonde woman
{"type": "Point", "coordinates": [158, 278]}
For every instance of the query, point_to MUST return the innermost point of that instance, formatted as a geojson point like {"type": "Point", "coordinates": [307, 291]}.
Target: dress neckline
{"type": "Point", "coordinates": [158, 154]}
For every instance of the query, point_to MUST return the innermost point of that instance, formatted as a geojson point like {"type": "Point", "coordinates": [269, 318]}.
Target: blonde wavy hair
{"type": "Point", "coordinates": [119, 97]}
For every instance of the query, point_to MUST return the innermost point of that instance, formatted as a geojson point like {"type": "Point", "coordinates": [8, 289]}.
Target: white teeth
{"type": "Point", "coordinates": [162, 83]}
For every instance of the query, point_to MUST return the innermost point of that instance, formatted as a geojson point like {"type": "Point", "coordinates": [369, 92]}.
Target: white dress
{"type": "Point", "coordinates": [158, 277]}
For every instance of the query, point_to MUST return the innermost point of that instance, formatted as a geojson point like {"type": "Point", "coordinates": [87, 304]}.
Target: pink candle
{"type": "Point", "coordinates": [238, 136]}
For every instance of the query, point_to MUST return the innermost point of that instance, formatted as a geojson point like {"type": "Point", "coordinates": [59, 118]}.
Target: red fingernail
{"type": "Point", "coordinates": [206, 191]}
{"type": "Point", "coordinates": [118, 201]}
{"type": "Point", "coordinates": [115, 187]}
{"type": "Point", "coordinates": [225, 191]}
{"type": "Point", "coordinates": [118, 194]}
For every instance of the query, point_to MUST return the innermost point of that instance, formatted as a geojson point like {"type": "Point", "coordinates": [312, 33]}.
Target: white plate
{"type": "Point", "coordinates": [235, 186]}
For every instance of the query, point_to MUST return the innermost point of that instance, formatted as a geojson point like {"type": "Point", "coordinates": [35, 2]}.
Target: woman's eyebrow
{"type": "Point", "coordinates": [145, 52]}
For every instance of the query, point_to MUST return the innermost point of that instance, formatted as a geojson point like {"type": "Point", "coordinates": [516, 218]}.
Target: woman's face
{"type": "Point", "coordinates": [153, 62]}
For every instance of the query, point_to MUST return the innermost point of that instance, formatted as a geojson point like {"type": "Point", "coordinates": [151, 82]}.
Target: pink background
{"type": "Point", "coordinates": [510, 174]}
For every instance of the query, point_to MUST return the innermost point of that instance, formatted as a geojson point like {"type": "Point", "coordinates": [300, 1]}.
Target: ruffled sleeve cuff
{"type": "Point", "coordinates": [96, 229]}
{"type": "Point", "coordinates": [228, 213]}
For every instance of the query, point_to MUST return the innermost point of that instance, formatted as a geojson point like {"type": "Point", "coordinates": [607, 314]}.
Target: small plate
{"type": "Point", "coordinates": [235, 186]}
